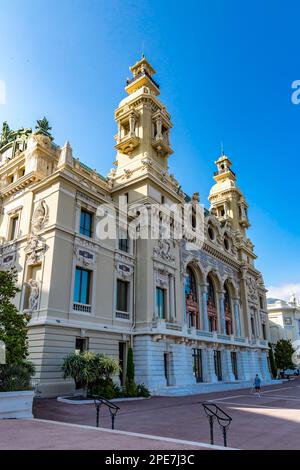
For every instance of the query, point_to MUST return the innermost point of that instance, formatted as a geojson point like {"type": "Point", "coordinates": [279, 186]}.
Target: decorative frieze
{"type": "Point", "coordinates": [163, 251]}
{"type": "Point", "coordinates": [8, 254]}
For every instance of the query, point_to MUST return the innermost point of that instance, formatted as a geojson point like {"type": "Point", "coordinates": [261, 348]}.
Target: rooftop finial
{"type": "Point", "coordinates": [143, 49]}
{"type": "Point", "coordinates": [222, 149]}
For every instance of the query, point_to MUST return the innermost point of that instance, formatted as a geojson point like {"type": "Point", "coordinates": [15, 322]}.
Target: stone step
{"type": "Point", "coordinates": [207, 388]}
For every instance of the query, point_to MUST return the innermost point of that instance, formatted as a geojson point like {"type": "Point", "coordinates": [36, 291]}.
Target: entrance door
{"type": "Point", "coordinates": [197, 365]}
{"type": "Point", "coordinates": [234, 364]}
{"type": "Point", "coordinates": [218, 365]}
{"type": "Point", "coordinates": [167, 367]}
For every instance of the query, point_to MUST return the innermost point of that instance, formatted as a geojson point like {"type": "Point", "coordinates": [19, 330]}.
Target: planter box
{"type": "Point", "coordinates": [16, 404]}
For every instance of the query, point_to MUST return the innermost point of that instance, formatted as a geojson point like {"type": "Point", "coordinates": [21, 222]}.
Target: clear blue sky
{"type": "Point", "coordinates": [225, 69]}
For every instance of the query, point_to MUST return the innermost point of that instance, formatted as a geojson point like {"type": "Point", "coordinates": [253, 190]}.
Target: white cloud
{"type": "Point", "coordinates": [284, 291]}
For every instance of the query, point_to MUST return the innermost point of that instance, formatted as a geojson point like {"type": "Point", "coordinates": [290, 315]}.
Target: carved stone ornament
{"type": "Point", "coordinates": [162, 278]}
{"type": "Point", "coordinates": [252, 289]}
{"type": "Point", "coordinates": [8, 256]}
{"type": "Point", "coordinates": [40, 217]}
{"type": "Point", "coordinates": [163, 250]}
{"type": "Point", "coordinates": [84, 256]}
{"type": "Point", "coordinates": [124, 270]}
{"type": "Point", "coordinates": [35, 249]}
{"type": "Point", "coordinates": [34, 294]}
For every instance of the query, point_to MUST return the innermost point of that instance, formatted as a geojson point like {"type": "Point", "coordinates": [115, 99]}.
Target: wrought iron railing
{"type": "Point", "coordinates": [113, 409]}
{"type": "Point", "coordinates": [214, 412]}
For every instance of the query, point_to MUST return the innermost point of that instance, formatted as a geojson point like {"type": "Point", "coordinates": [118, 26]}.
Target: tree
{"type": "Point", "coordinates": [130, 385]}
{"type": "Point", "coordinates": [13, 325]}
{"type": "Point", "coordinates": [272, 362]}
{"type": "Point", "coordinates": [283, 354]}
{"type": "Point", "coordinates": [88, 368]}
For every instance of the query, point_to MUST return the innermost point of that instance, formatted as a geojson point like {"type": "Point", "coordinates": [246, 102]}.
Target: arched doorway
{"type": "Point", "coordinates": [191, 299]}
{"type": "Point", "coordinates": [211, 304]}
{"type": "Point", "coordinates": [227, 310]}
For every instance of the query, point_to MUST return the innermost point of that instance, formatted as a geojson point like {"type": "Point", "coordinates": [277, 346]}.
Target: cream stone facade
{"type": "Point", "coordinates": [196, 318]}
{"type": "Point", "coordinates": [284, 319]}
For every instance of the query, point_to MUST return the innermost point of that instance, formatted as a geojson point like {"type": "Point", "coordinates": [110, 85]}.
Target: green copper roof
{"type": "Point", "coordinates": [85, 167]}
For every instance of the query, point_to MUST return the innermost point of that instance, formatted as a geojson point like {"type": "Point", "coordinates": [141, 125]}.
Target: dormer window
{"type": "Point", "coordinates": [21, 172]}
{"type": "Point", "coordinates": [10, 179]}
{"type": "Point", "coordinates": [211, 232]}
{"type": "Point", "coordinates": [226, 243]}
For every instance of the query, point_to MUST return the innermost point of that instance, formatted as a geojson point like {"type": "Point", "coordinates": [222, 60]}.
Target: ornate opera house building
{"type": "Point", "coordinates": [196, 319]}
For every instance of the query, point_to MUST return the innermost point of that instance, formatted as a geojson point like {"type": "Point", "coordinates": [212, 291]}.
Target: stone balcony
{"type": "Point", "coordinates": [161, 328]}
{"type": "Point", "coordinates": [127, 143]}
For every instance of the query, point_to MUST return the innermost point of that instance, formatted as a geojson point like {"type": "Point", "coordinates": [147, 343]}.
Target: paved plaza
{"type": "Point", "coordinates": [269, 422]}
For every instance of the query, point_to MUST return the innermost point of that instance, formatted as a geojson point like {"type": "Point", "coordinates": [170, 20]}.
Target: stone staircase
{"type": "Point", "coordinates": [177, 391]}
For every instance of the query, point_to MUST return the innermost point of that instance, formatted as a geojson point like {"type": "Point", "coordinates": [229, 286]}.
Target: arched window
{"type": "Point", "coordinates": [190, 286]}
{"type": "Point", "coordinates": [211, 292]}
{"type": "Point", "coordinates": [211, 305]}
{"type": "Point", "coordinates": [227, 310]}
{"type": "Point", "coordinates": [192, 307]}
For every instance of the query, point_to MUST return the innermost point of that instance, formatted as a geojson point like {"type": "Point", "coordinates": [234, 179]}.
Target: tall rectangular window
{"type": "Point", "coordinates": [86, 219]}
{"type": "Point", "coordinates": [197, 365]}
{"type": "Point", "coordinates": [234, 364]}
{"type": "Point", "coordinates": [218, 364]}
{"type": "Point", "coordinates": [81, 345]}
{"type": "Point", "coordinates": [123, 240]}
{"type": "Point", "coordinates": [253, 327]}
{"type": "Point", "coordinates": [82, 286]}
{"type": "Point", "coordinates": [261, 302]}
{"type": "Point", "coordinates": [13, 231]}
{"type": "Point", "coordinates": [264, 333]}
{"type": "Point", "coordinates": [122, 296]}
{"type": "Point", "coordinates": [160, 302]}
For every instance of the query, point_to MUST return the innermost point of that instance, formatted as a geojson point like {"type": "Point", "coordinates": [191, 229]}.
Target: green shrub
{"type": "Point", "coordinates": [283, 354]}
{"type": "Point", "coordinates": [130, 388]}
{"type": "Point", "coordinates": [142, 391]}
{"type": "Point", "coordinates": [13, 325]}
{"type": "Point", "coordinates": [15, 377]}
{"type": "Point", "coordinates": [272, 362]}
{"type": "Point", "coordinates": [89, 369]}
{"type": "Point", "coordinates": [106, 388]}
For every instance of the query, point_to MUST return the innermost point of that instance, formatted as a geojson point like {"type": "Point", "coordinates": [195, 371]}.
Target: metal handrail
{"type": "Point", "coordinates": [213, 412]}
{"type": "Point", "coordinates": [113, 409]}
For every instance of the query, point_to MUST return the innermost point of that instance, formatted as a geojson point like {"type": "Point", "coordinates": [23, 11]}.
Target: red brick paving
{"type": "Point", "coordinates": [39, 435]}
{"type": "Point", "coordinates": [269, 422]}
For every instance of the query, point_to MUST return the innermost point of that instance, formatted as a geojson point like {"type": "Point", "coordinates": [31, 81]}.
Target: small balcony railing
{"type": "Point", "coordinates": [123, 315]}
{"type": "Point", "coordinates": [83, 308]}
{"type": "Point", "coordinates": [129, 81]}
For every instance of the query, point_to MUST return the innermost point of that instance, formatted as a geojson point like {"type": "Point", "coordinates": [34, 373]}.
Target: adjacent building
{"type": "Point", "coordinates": [195, 317]}
{"type": "Point", "coordinates": [284, 319]}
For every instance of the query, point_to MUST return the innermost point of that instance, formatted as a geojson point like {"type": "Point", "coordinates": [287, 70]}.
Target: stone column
{"type": "Point", "coordinates": [265, 366]}
{"type": "Point", "coordinates": [245, 365]}
{"type": "Point", "coordinates": [132, 125]}
{"type": "Point", "coordinates": [172, 298]}
{"type": "Point", "coordinates": [184, 276]}
{"type": "Point", "coordinates": [209, 370]}
{"type": "Point", "coordinates": [222, 312]}
{"type": "Point", "coordinates": [77, 216]}
{"type": "Point", "coordinates": [158, 129]}
{"type": "Point", "coordinates": [240, 366]}
{"type": "Point", "coordinates": [245, 306]}
{"type": "Point", "coordinates": [237, 317]}
{"type": "Point", "coordinates": [227, 373]}
{"type": "Point", "coordinates": [204, 307]}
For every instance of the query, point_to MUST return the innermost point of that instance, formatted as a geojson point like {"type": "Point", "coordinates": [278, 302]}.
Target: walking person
{"type": "Point", "coordinates": [257, 384]}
